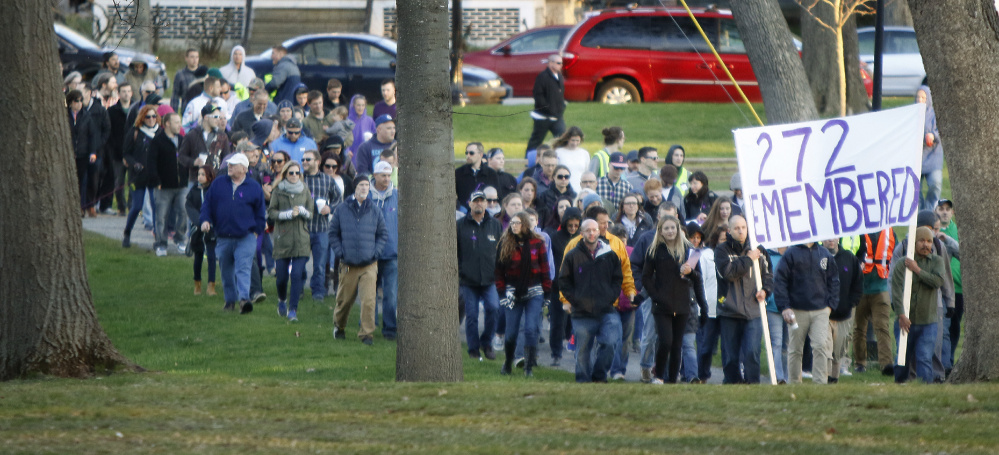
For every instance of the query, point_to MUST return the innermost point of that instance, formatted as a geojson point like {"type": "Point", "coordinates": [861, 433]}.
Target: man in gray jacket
{"type": "Point", "coordinates": [357, 235]}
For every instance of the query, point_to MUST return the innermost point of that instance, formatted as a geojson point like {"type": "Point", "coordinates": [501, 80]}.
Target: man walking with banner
{"type": "Point", "coordinates": [920, 320]}
{"type": "Point", "coordinates": [840, 177]}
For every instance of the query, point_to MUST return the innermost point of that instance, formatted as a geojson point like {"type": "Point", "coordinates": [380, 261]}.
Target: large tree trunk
{"type": "Point", "coordinates": [959, 42]}
{"type": "Point", "coordinates": [897, 13]}
{"type": "Point", "coordinates": [775, 61]}
{"type": "Point", "coordinates": [428, 346]}
{"type": "Point", "coordinates": [48, 323]}
{"type": "Point", "coordinates": [824, 64]}
{"type": "Point", "coordinates": [143, 26]}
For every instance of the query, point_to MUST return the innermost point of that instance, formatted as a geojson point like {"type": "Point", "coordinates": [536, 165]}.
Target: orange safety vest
{"type": "Point", "coordinates": [882, 257]}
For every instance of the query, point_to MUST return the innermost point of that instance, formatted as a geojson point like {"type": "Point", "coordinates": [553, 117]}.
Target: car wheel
{"type": "Point", "coordinates": [618, 91]}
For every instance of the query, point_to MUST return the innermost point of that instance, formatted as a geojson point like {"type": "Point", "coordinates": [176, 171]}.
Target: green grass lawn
{"type": "Point", "coordinates": [224, 383]}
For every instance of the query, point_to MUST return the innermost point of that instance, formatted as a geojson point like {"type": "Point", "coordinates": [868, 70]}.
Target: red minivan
{"type": "Point", "coordinates": [655, 54]}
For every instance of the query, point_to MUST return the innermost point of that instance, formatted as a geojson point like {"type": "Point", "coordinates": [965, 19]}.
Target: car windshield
{"type": "Point", "coordinates": [76, 38]}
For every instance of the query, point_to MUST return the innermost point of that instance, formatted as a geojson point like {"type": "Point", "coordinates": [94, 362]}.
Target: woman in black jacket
{"type": "Point", "coordinates": [507, 182]}
{"type": "Point", "coordinates": [560, 236]}
{"type": "Point", "coordinates": [136, 154]}
{"type": "Point", "coordinates": [201, 242]}
{"type": "Point", "coordinates": [668, 280]}
{"type": "Point", "coordinates": [699, 199]}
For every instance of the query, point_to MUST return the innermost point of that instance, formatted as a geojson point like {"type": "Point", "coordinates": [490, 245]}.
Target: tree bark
{"type": "Point", "coordinates": [143, 26]}
{"type": "Point", "coordinates": [428, 345]}
{"type": "Point", "coordinates": [775, 61]}
{"type": "Point", "coordinates": [857, 101]}
{"type": "Point", "coordinates": [959, 42]}
{"type": "Point", "coordinates": [825, 62]}
{"type": "Point", "coordinates": [897, 13]}
{"type": "Point", "coordinates": [48, 323]}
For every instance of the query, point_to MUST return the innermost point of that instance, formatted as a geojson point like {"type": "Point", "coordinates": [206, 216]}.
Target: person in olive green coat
{"type": "Point", "coordinates": [290, 209]}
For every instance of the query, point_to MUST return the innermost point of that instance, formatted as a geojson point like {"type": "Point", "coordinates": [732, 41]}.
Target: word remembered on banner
{"type": "Point", "coordinates": [806, 182]}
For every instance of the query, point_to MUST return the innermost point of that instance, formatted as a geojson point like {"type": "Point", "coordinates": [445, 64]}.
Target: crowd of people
{"type": "Point", "coordinates": [257, 184]}
{"type": "Point", "coordinates": [624, 255]}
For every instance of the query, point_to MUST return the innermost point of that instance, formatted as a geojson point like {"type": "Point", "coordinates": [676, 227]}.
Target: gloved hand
{"type": "Point", "coordinates": [950, 313]}
{"type": "Point", "coordinates": [509, 294]}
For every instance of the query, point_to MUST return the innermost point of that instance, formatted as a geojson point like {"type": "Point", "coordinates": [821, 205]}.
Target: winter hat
{"type": "Point", "coordinates": [261, 130]}
{"type": "Point", "coordinates": [361, 178]}
{"type": "Point", "coordinates": [589, 199]}
{"type": "Point", "coordinates": [926, 218]}
{"type": "Point", "coordinates": [285, 104]}
{"type": "Point", "coordinates": [214, 72]}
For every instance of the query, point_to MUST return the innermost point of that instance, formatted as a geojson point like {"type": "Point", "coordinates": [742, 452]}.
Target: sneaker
{"type": "Point", "coordinates": [489, 353]}
{"type": "Point", "coordinates": [368, 340]}
{"type": "Point", "coordinates": [245, 307]}
{"type": "Point", "coordinates": [258, 297]}
{"type": "Point", "coordinates": [519, 362]}
{"type": "Point", "coordinates": [618, 376]}
{"type": "Point", "coordinates": [806, 374]}
{"type": "Point", "coordinates": [860, 369]}
{"type": "Point", "coordinates": [339, 334]}
{"type": "Point", "coordinates": [556, 362]}
{"type": "Point", "coordinates": [181, 248]}
{"type": "Point", "coordinates": [831, 380]}
{"type": "Point", "coordinates": [845, 371]}
{"type": "Point", "coordinates": [292, 316]}
{"type": "Point", "coordinates": [109, 211]}
{"type": "Point", "coordinates": [497, 343]}
{"type": "Point", "coordinates": [229, 306]}
{"type": "Point", "coordinates": [126, 241]}
{"type": "Point", "coordinates": [657, 381]}
{"type": "Point", "coordinates": [646, 375]}
{"type": "Point", "coordinates": [474, 355]}
{"type": "Point", "coordinates": [282, 309]}
{"type": "Point", "coordinates": [161, 252]}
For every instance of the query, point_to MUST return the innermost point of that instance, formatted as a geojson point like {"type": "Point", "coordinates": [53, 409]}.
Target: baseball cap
{"type": "Point", "coordinates": [618, 160]}
{"type": "Point", "coordinates": [633, 155]}
{"type": "Point", "coordinates": [209, 108]}
{"type": "Point", "coordinates": [293, 123]}
{"type": "Point", "coordinates": [383, 118]}
{"type": "Point", "coordinates": [477, 195]}
{"type": "Point", "coordinates": [238, 158]}
{"type": "Point", "coordinates": [945, 201]}
{"type": "Point", "coordinates": [382, 167]}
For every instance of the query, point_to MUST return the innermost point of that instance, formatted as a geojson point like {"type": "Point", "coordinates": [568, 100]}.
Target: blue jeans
{"type": "Point", "coordinates": [689, 357]}
{"type": "Point", "coordinates": [297, 285]}
{"type": "Point", "coordinates": [606, 331]}
{"type": "Point", "coordinates": [946, 353]}
{"type": "Point", "coordinates": [530, 312]}
{"type": "Point", "coordinates": [650, 338]}
{"type": "Point", "coordinates": [777, 342]}
{"type": "Point", "coordinates": [622, 350]}
{"type": "Point", "coordinates": [388, 279]}
{"type": "Point", "coordinates": [490, 304]}
{"type": "Point", "coordinates": [235, 259]}
{"type": "Point", "coordinates": [138, 196]}
{"type": "Point", "coordinates": [320, 243]}
{"type": "Point", "coordinates": [707, 342]}
{"type": "Point", "coordinates": [267, 251]}
{"type": "Point", "coordinates": [919, 350]}
{"type": "Point", "coordinates": [740, 338]}
{"type": "Point", "coordinates": [934, 185]}
{"type": "Point", "coordinates": [636, 337]}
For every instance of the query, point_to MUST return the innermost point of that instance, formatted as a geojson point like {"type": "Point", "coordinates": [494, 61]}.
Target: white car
{"type": "Point", "coordinates": [903, 72]}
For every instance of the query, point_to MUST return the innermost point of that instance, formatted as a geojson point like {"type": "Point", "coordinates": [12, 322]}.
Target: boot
{"type": "Point", "coordinates": [92, 212]}
{"type": "Point", "coordinates": [211, 288]}
{"type": "Point", "coordinates": [510, 349]}
{"type": "Point", "coordinates": [126, 240]}
{"type": "Point", "coordinates": [532, 360]}
{"type": "Point", "coordinates": [197, 287]}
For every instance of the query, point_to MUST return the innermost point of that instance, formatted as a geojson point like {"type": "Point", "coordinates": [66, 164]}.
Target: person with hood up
{"type": "Point", "coordinates": [238, 74]}
{"type": "Point", "coordinates": [677, 156]}
{"type": "Point", "coordinates": [932, 172]}
{"type": "Point", "coordinates": [138, 72]}
{"type": "Point", "coordinates": [739, 315]}
{"type": "Point", "coordinates": [566, 231]}
{"type": "Point", "coordinates": [285, 77]}
{"type": "Point", "coordinates": [364, 125]}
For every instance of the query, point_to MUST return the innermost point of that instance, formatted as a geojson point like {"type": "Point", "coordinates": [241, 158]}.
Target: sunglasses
{"type": "Point", "coordinates": [562, 177]}
{"type": "Point", "coordinates": [468, 152]}
{"type": "Point", "coordinates": [294, 132]}
{"type": "Point", "coordinates": [492, 200]}
{"type": "Point", "coordinates": [278, 161]}
{"type": "Point", "coordinates": [294, 173]}
{"type": "Point", "coordinates": [150, 116]}
{"type": "Point", "coordinates": [147, 92]}
{"type": "Point", "coordinates": [306, 160]}
{"type": "Point", "coordinates": [214, 116]}
{"type": "Point", "coordinates": [330, 166]}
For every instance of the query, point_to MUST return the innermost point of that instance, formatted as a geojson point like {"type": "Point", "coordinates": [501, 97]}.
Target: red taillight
{"type": "Point", "coordinates": [568, 59]}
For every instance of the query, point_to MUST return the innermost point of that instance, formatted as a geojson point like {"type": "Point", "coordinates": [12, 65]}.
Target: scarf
{"type": "Point", "coordinates": [151, 132]}
{"type": "Point", "coordinates": [293, 188]}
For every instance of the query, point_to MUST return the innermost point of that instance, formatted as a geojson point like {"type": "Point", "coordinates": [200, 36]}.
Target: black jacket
{"type": "Point", "coordinates": [101, 124]}
{"type": "Point", "coordinates": [164, 171]}
{"type": "Point", "coordinates": [736, 269]}
{"type": "Point", "coordinates": [560, 239]}
{"type": "Point", "coordinates": [694, 205]}
{"type": "Point", "coordinates": [851, 284]}
{"type": "Point", "coordinates": [466, 181]}
{"type": "Point", "coordinates": [477, 245]}
{"type": "Point", "coordinates": [547, 200]}
{"type": "Point", "coordinates": [549, 94]}
{"type": "Point", "coordinates": [591, 284]}
{"type": "Point", "coordinates": [505, 184]}
{"type": "Point", "coordinates": [116, 141]}
{"type": "Point", "coordinates": [670, 291]}
{"type": "Point", "coordinates": [244, 120]}
{"type": "Point", "coordinates": [806, 279]}
{"type": "Point", "coordinates": [136, 154]}
{"type": "Point", "coordinates": [81, 131]}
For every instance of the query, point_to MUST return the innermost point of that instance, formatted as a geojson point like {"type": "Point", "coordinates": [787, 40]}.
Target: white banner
{"type": "Point", "coordinates": [811, 181]}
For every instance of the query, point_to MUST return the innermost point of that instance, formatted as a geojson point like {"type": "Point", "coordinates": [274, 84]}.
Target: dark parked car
{"type": "Point", "coordinates": [362, 62]}
{"type": "Point", "coordinates": [519, 59]}
{"type": "Point", "coordinates": [80, 53]}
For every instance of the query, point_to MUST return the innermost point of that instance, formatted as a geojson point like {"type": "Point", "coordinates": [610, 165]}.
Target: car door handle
{"type": "Point", "coordinates": [706, 66]}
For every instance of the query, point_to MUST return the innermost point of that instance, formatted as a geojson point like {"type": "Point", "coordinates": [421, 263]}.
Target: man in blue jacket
{"type": "Point", "coordinates": [285, 77]}
{"type": "Point", "coordinates": [234, 206]}
{"type": "Point", "coordinates": [386, 198]}
{"type": "Point", "coordinates": [806, 290]}
{"type": "Point", "coordinates": [358, 236]}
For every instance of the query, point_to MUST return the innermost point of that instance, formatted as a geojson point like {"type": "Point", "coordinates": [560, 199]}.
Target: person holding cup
{"type": "Point", "coordinates": [290, 209]}
{"type": "Point", "coordinates": [327, 195]}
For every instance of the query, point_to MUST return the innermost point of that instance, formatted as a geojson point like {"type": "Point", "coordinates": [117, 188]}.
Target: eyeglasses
{"type": "Point", "coordinates": [630, 203]}
{"type": "Point", "coordinates": [290, 132]}
{"type": "Point", "coordinates": [562, 177]}
{"type": "Point", "coordinates": [492, 200]}
{"type": "Point", "coordinates": [584, 182]}
{"type": "Point", "coordinates": [330, 166]}
{"type": "Point", "coordinates": [306, 160]}
{"type": "Point", "coordinates": [294, 173]}
{"type": "Point", "coordinates": [515, 223]}
{"type": "Point", "coordinates": [148, 116]}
